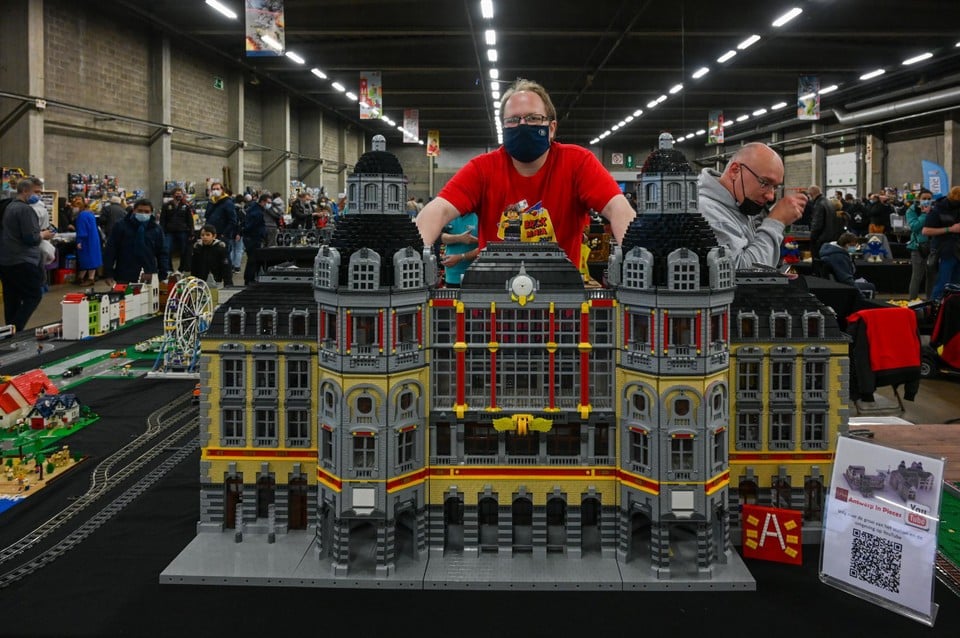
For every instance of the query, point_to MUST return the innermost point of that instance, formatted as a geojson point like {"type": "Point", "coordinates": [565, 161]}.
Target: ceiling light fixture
{"type": "Point", "coordinates": [872, 74]}
{"type": "Point", "coordinates": [829, 89]}
{"type": "Point", "coordinates": [293, 56]}
{"type": "Point", "coordinates": [701, 132]}
{"type": "Point", "coordinates": [759, 112]}
{"type": "Point", "coordinates": [486, 8]}
{"type": "Point", "coordinates": [614, 127]}
{"type": "Point", "coordinates": [271, 42]}
{"type": "Point", "coordinates": [699, 73]}
{"type": "Point", "coordinates": [490, 37]}
{"type": "Point", "coordinates": [638, 113]}
{"type": "Point", "coordinates": [727, 123]}
{"type": "Point", "coordinates": [749, 42]}
{"type": "Point", "coordinates": [494, 74]}
{"type": "Point", "coordinates": [338, 87]}
{"type": "Point", "coordinates": [495, 95]}
{"type": "Point", "coordinates": [651, 104]}
{"type": "Point", "coordinates": [662, 98]}
{"type": "Point", "coordinates": [743, 118]}
{"type": "Point", "coordinates": [806, 96]}
{"type": "Point", "coordinates": [350, 95]}
{"type": "Point", "coordinates": [629, 118]}
{"type": "Point", "coordinates": [778, 106]}
{"type": "Point", "coordinates": [222, 9]}
{"type": "Point", "coordinates": [492, 55]}
{"type": "Point", "coordinates": [787, 17]}
{"type": "Point", "coordinates": [917, 58]}
{"type": "Point", "coordinates": [676, 88]}
{"type": "Point", "coordinates": [320, 74]}
{"type": "Point", "coordinates": [726, 56]}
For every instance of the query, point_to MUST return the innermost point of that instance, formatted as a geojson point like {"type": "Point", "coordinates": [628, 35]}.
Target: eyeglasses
{"type": "Point", "coordinates": [530, 118]}
{"type": "Point", "coordinates": [764, 184]}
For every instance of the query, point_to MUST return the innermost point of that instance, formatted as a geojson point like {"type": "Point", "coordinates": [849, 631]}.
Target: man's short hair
{"type": "Point", "coordinates": [845, 239]}
{"type": "Point", "coordinates": [522, 84]}
{"type": "Point", "coordinates": [143, 202]}
{"type": "Point", "coordinates": [27, 184]}
{"type": "Point", "coordinates": [264, 198]}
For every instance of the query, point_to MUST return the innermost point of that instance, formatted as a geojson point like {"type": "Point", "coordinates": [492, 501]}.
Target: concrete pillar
{"type": "Point", "coordinates": [818, 159]}
{"type": "Point", "coordinates": [235, 129]}
{"type": "Point", "coordinates": [951, 150]}
{"type": "Point", "coordinates": [342, 158]}
{"type": "Point", "coordinates": [873, 151]}
{"type": "Point", "coordinates": [310, 168]}
{"type": "Point", "coordinates": [276, 135]}
{"type": "Point", "coordinates": [21, 122]}
{"type": "Point", "coordinates": [161, 151]}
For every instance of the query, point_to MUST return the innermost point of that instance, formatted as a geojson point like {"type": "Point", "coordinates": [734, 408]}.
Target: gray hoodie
{"type": "Point", "coordinates": [749, 244]}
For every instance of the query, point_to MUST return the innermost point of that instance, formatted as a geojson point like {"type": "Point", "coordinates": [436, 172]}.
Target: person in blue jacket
{"type": "Point", "coordinates": [838, 255]}
{"type": "Point", "coordinates": [222, 214]}
{"type": "Point", "coordinates": [254, 236]}
{"type": "Point", "coordinates": [136, 248]}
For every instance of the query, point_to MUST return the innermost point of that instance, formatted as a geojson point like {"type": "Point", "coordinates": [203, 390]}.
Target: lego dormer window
{"type": "Point", "coordinates": [267, 322]}
{"type": "Point", "coordinates": [748, 325]}
{"type": "Point", "coordinates": [684, 270]}
{"type": "Point", "coordinates": [813, 322]}
{"type": "Point", "coordinates": [299, 322]}
{"type": "Point", "coordinates": [233, 322]}
{"type": "Point", "coordinates": [411, 273]}
{"type": "Point", "coordinates": [364, 270]}
{"type": "Point", "coordinates": [781, 325]}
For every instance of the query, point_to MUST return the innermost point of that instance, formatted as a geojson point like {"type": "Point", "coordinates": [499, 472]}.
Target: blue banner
{"type": "Point", "coordinates": [934, 177]}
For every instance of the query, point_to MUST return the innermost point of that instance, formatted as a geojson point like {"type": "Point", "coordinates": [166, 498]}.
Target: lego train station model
{"type": "Point", "coordinates": [361, 427]}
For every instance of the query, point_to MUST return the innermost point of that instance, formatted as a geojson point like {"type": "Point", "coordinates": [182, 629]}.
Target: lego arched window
{"type": "Point", "coordinates": [639, 449]}
{"type": "Point", "coordinates": [692, 192]}
{"type": "Point", "coordinates": [299, 323]}
{"type": "Point", "coordinates": [233, 322]}
{"type": "Point", "coordinates": [364, 330]}
{"type": "Point", "coordinates": [780, 493]}
{"type": "Point", "coordinates": [351, 195]}
{"type": "Point", "coordinates": [267, 322]}
{"type": "Point", "coordinates": [748, 491]}
{"type": "Point", "coordinates": [718, 403]}
{"type": "Point", "coordinates": [393, 196]}
{"type": "Point", "coordinates": [681, 407]}
{"type": "Point", "coordinates": [407, 405]}
{"type": "Point", "coordinates": [781, 325]}
{"type": "Point", "coordinates": [371, 197]}
{"type": "Point", "coordinates": [639, 405]}
{"type": "Point", "coordinates": [747, 325]}
{"type": "Point", "coordinates": [674, 196]}
{"type": "Point", "coordinates": [684, 270]}
{"type": "Point", "coordinates": [813, 325]}
{"type": "Point", "coordinates": [651, 193]}
{"type": "Point", "coordinates": [364, 405]}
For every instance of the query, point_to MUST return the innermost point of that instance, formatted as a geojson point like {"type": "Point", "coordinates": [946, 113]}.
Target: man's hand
{"type": "Point", "coordinates": [47, 234]}
{"type": "Point", "coordinates": [463, 238]}
{"type": "Point", "coordinates": [789, 209]}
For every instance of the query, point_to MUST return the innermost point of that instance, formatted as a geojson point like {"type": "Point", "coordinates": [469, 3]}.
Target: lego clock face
{"type": "Point", "coordinates": [522, 285]}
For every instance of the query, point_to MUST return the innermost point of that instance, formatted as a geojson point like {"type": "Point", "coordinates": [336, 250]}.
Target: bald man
{"type": "Point", "coordinates": [730, 201]}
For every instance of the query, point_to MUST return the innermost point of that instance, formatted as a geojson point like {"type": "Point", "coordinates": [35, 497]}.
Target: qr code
{"type": "Point", "coordinates": [876, 560]}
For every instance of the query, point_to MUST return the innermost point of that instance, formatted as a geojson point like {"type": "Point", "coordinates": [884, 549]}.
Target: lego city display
{"type": "Point", "coordinates": [496, 432]}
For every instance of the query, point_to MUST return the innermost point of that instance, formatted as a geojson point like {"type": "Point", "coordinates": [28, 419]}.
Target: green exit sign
{"type": "Point", "coordinates": [629, 161]}
{"type": "Point", "coordinates": [218, 83]}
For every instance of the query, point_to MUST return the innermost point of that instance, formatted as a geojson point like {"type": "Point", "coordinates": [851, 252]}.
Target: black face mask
{"type": "Point", "coordinates": [748, 207]}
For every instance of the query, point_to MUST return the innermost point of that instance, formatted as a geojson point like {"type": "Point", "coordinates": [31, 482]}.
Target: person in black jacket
{"type": "Point", "coordinates": [176, 219]}
{"type": "Point", "coordinates": [838, 255]}
{"type": "Point", "coordinates": [825, 226]}
{"type": "Point", "coordinates": [254, 235]}
{"type": "Point", "coordinates": [222, 213]}
{"type": "Point", "coordinates": [136, 248]}
{"type": "Point", "coordinates": [210, 257]}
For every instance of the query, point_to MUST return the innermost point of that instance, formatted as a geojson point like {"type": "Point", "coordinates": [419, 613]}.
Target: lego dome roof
{"type": "Point", "coordinates": [666, 161]}
{"type": "Point", "coordinates": [384, 233]}
{"type": "Point", "coordinates": [663, 233]}
{"type": "Point", "coordinates": [378, 163]}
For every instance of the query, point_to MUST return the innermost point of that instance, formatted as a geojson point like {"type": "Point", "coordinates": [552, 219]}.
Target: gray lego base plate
{"type": "Point", "coordinates": [216, 559]}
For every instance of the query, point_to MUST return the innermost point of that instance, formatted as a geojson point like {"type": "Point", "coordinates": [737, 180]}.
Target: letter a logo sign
{"type": "Point", "coordinates": [772, 534]}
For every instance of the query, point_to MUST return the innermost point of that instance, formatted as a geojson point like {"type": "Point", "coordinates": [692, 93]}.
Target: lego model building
{"type": "Point", "coordinates": [361, 427]}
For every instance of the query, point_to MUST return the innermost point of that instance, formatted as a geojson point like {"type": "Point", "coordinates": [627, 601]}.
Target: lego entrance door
{"type": "Point", "coordinates": [488, 519]}
{"type": "Point", "coordinates": [233, 488]}
{"type": "Point", "coordinates": [453, 524]}
{"type": "Point", "coordinates": [590, 525]}
{"type": "Point", "coordinates": [297, 503]}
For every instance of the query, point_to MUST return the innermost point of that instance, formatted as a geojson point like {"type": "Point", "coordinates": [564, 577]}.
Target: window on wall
{"type": "Point", "coordinates": [781, 326]}
{"type": "Point", "coordinates": [601, 439]}
{"type": "Point", "coordinates": [748, 326]}
{"type": "Point", "coordinates": [234, 322]}
{"type": "Point", "coordinates": [233, 431]}
{"type": "Point", "coordinates": [365, 330]}
{"type": "Point", "coordinates": [298, 374]}
{"type": "Point", "coordinates": [814, 325]}
{"type": "Point", "coordinates": [329, 326]}
{"type": "Point", "coordinates": [564, 440]}
{"type": "Point", "coordinates": [364, 453]}
{"type": "Point", "coordinates": [640, 448]}
{"type": "Point", "coordinates": [814, 376]}
{"type": "Point", "coordinates": [523, 444]}
{"type": "Point", "coordinates": [639, 405]}
{"type": "Point", "coordinates": [326, 445]}
{"type": "Point", "coordinates": [685, 275]}
{"type": "Point", "coordinates": [480, 439]}
{"type": "Point", "coordinates": [406, 327]}
{"type": "Point", "coordinates": [233, 373]}
{"type": "Point", "coordinates": [681, 407]}
{"type": "Point", "coordinates": [444, 440]}
{"type": "Point", "coordinates": [781, 429]}
{"type": "Point", "coordinates": [748, 430]}
{"type": "Point", "coordinates": [640, 330]}
{"type": "Point", "coordinates": [719, 447]}
{"type": "Point", "coordinates": [781, 379]}
{"type": "Point", "coordinates": [267, 322]}
{"type": "Point", "coordinates": [298, 428]}
{"type": "Point", "coordinates": [265, 427]}
{"type": "Point", "coordinates": [406, 447]}
{"type": "Point", "coordinates": [567, 324]}
{"type": "Point", "coordinates": [299, 320]}
{"type": "Point", "coordinates": [265, 373]}
{"type": "Point", "coordinates": [716, 328]}
{"type": "Point", "coordinates": [748, 378]}
{"type": "Point", "coordinates": [814, 428]}
{"type": "Point", "coordinates": [682, 331]}
{"type": "Point", "coordinates": [681, 454]}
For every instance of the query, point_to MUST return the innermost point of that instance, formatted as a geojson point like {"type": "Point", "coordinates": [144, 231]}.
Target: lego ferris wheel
{"type": "Point", "coordinates": [186, 316]}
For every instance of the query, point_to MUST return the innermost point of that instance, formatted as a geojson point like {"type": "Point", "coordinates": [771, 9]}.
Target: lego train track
{"type": "Point", "coordinates": [106, 479]}
{"type": "Point", "coordinates": [947, 573]}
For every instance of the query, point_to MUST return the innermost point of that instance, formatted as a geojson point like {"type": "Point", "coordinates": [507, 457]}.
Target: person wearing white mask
{"type": "Point", "coordinates": [222, 214]}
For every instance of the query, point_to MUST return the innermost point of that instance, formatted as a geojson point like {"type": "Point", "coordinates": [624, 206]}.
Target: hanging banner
{"type": "Point", "coordinates": [715, 128]}
{"type": "Point", "coordinates": [934, 177]}
{"type": "Point", "coordinates": [370, 95]}
{"type": "Point", "coordinates": [808, 98]}
{"type": "Point", "coordinates": [411, 126]}
{"type": "Point", "coordinates": [265, 33]}
{"type": "Point", "coordinates": [880, 531]}
{"type": "Point", "coordinates": [433, 144]}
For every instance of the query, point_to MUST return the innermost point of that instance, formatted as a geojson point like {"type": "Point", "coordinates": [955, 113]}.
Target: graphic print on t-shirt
{"type": "Point", "coordinates": [520, 222]}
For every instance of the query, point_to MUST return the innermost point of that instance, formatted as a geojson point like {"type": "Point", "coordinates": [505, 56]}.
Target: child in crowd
{"type": "Point", "coordinates": [210, 257]}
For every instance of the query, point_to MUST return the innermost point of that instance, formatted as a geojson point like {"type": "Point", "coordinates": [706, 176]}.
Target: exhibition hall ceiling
{"type": "Point", "coordinates": [601, 60]}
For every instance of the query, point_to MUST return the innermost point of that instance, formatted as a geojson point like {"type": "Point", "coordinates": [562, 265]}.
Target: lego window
{"type": "Point", "coordinates": [748, 430]}
{"type": "Point", "coordinates": [523, 444]}
{"type": "Point", "coordinates": [265, 374]}
{"type": "Point", "coordinates": [298, 428]}
{"type": "Point", "coordinates": [601, 326]}
{"type": "Point", "coordinates": [681, 407]}
{"type": "Point", "coordinates": [682, 332]}
{"type": "Point", "coordinates": [265, 427]}
{"type": "Point", "coordinates": [266, 495]}
{"type": "Point", "coordinates": [651, 192]}
{"type": "Point", "coordinates": [639, 330]}
{"type": "Point", "coordinates": [640, 448]}
{"type": "Point", "coordinates": [748, 376]}
{"type": "Point", "coordinates": [406, 327]}
{"type": "Point", "coordinates": [364, 452]}
{"type": "Point", "coordinates": [814, 324]}
{"type": "Point", "coordinates": [781, 377]}
{"type": "Point", "coordinates": [406, 447]}
{"type": "Point", "coordinates": [719, 447]}
{"type": "Point", "coordinates": [298, 323]}
{"type": "Point", "coordinates": [814, 428]}
{"type": "Point", "coordinates": [681, 454]}
{"type": "Point", "coordinates": [298, 374]}
{"type": "Point", "coordinates": [406, 400]}
{"type": "Point", "coordinates": [674, 195]}
{"type": "Point", "coordinates": [233, 428]}
{"type": "Point", "coordinates": [326, 445]}
{"type": "Point", "coordinates": [567, 375]}
{"type": "Point", "coordinates": [363, 275]}
{"type": "Point", "coordinates": [780, 492]}
{"type": "Point", "coordinates": [685, 274]}
{"type": "Point", "coordinates": [453, 510]}
{"type": "Point", "coordinates": [566, 325]}
{"type": "Point", "coordinates": [781, 429]}
{"type": "Point", "coordinates": [444, 440]}
{"type": "Point", "coordinates": [371, 196]}
{"type": "Point", "coordinates": [477, 324]}
{"type": "Point", "coordinates": [233, 373]}
{"type": "Point", "coordinates": [267, 322]}
{"type": "Point", "coordinates": [410, 272]}
{"type": "Point", "coordinates": [364, 405]}
{"type": "Point", "coordinates": [748, 326]}
{"type": "Point", "coordinates": [365, 330]}
{"type": "Point", "coordinates": [602, 377]}
{"type": "Point", "coordinates": [328, 326]}
{"type": "Point", "coordinates": [813, 493]}
{"type": "Point", "coordinates": [601, 440]}
{"type": "Point", "coordinates": [480, 439]}
{"type": "Point", "coordinates": [640, 403]}
{"type": "Point", "coordinates": [716, 327]}
{"type": "Point", "coordinates": [781, 326]}
{"type": "Point", "coordinates": [522, 519]}
{"type": "Point", "coordinates": [564, 440]}
{"type": "Point", "coordinates": [328, 399]}
{"type": "Point", "coordinates": [748, 491]}
{"type": "Point", "coordinates": [233, 322]}
{"type": "Point", "coordinates": [814, 376]}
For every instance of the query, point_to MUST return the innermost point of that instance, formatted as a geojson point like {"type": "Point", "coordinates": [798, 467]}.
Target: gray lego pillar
{"type": "Point", "coordinates": [574, 546]}
{"type": "Point", "coordinates": [608, 531]}
{"type": "Point", "coordinates": [22, 144]}
{"type": "Point", "coordinates": [386, 549]}
{"type": "Point", "coordinates": [272, 523]}
{"type": "Point", "coordinates": [276, 135]}
{"type": "Point", "coordinates": [435, 533]}
{"type": "Point", "coordinates": [660, 549]}
{"type": "Point", "coordinates": [238, 530]}
{"type": "Point", "coordinates": [540, 531]}
{"type": "Point", "coordinates": [505, 527]}
{"type": "Point", "coordinates": [235, 128]}
{"type": "Point", "coordinates": [624, 547]}
{"type": "Point", "coordinates": [705, 556]}
{"type": "Point", "coordinates": [471, 530]}
{"type": "Point", "coordinates": [421, 532]}
{"type": "Point", "coordinates": [161, 151]}
{"type": "Point", "coordinates": [340, 553]}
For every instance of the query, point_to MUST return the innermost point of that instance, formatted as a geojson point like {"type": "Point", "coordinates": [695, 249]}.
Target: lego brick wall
{"type": "Point", "coordinates": [194, 102]}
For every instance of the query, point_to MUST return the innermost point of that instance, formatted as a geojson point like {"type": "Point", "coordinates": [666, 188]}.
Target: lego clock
{"type": "Point", "coordinates": [522, 285]}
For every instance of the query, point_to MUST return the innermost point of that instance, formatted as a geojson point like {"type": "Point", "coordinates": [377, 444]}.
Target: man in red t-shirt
{"type": "Point", "coordinates": [532, 188]}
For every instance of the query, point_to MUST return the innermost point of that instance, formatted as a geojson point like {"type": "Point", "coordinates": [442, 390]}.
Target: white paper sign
{"type": "Point", "coordinates": [880, 533]}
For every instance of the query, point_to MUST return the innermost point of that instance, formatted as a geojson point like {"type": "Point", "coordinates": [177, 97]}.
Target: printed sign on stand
{"type": "Point", "coordinates": [880, 532]}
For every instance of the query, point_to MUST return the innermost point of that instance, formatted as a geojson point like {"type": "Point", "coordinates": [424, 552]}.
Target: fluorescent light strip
{"type": "Point", "coordinates": [351, 96]}
{"type": "Point", "coordinates": [662, 98]}
{"type": "Point", "coordinates": [787, 17]}
{"type": "Point", "coordinates": [727, 123]}
{"type": "Point", "coordinates": [338, 87]}
{"type": "Point", "coordinates": [676, 88]}
{"type": "Point", "coordinates": [872, 74]}
{"type": "Point", "coordinates": [743, 118]}
{"type": "Point", "coordinates": [759, 112]}
{"type": "Point", "coordinates": [320, 74]}
{"type": "Point", "coordinates": [917, 58]}
{"type": "Point", "coordinates": [494, 74]}
{"type": "Point", "coordinates": [700, 132]}
{"type": "Point", "coordinates": [492, 55]}
{"type": "Point", "coordinates": [271, 42]}
{"type": "Point", "coordinates": [486, 8]}
{"type": "Point", "coordinates": [293, 56]}
{"type": "Point", "coordinates": [629, 118]}
{"type": "Point", "coordinates": [726, 56]}
{"type": "Point", "coordinates": [638, 113]}
{"type": "Point", "coordinates": [490, 37]}
{"type": "Point", "coordinates": [222, 9]}
{"type": "Point", "coordinates": [778, 106]}
{"type": "Point", "coordinates": [651, 104]}
{"type": "Point", "coordinates": [829, 89]}
{"type": "Point", "coordinates": [749, 42]}
{"type": "Point", "coordinates": [699, 73]}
